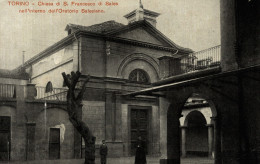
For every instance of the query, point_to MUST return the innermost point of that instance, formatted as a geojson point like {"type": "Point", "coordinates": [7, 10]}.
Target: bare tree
{"type": "Point", "coordinates": [74, 108]}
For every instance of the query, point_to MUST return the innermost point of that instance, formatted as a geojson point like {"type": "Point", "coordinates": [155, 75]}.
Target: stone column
{"type": "Point", "coordinates": [164, 104]}
{"type": "Point", "coordinates": [183, 140]}
{"type": "Point", "coordinates": [210, 139]}
{"type": "Point", "coordinates": [228, 35]}
{"type": "Point", "coordinates": [173, 134]}
{"type": "Point", "coordinates": [217, 151]}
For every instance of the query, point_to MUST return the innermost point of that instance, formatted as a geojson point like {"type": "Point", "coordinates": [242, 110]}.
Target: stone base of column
{"type": "Point", "coordinates": [170, 161]}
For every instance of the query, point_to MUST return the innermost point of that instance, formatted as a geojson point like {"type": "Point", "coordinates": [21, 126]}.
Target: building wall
{"type": "Point", "coordinates": [93, 114]}
{"type": "Point", "coordinates": [51, 67]}
{"type": "Point", "coordinates": [15, 108]}
{"type": "Point", "coordinates": [92, 56]}
{"type": "Point", "coordinates": [55, 118]}
{"type": "Point", "coordinates": [123, 54]}
{"type": "Point", "coordinates": [104, 58]}
{"type": "Point", "coordinates": [53, 76]}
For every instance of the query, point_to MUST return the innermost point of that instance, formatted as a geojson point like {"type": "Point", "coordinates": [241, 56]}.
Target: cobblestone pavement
{"type": "Point", "coordinates": [124, 160]}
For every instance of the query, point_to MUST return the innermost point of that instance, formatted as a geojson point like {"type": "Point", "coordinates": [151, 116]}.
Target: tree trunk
{"type": "Point", "coordinates": [74, 108]}
{"type": "Point", "coordinates": [89, 153]}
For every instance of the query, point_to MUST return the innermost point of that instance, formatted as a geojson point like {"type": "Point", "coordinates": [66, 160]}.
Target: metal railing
{"type": "Point", "coordinates": [59, 94]}
{"type": "Point", "coordinates": [7, 90]}
{"type": "Point", "coordinates": [201, 60]}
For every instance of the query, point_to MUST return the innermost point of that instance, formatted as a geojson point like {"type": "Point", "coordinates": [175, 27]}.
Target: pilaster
{"type": "Point", "coordinates": [118, 118]}
{"type": "Point", "coordinates": [30, 144]}
{"type": "Point", "coordinates": [109, 114]}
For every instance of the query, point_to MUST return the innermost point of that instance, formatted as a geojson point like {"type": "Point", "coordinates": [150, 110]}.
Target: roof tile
{"type": "Point", "coordinates": [99, 28]}
{"type": "Point", "coordinates": [16, 74]}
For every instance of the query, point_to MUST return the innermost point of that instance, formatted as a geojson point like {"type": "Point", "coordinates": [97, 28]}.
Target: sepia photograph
{"type": "Point", "coordinates": [129, 82]}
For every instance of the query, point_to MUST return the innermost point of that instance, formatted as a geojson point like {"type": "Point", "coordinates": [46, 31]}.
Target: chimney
{"type": "Point", "coordinates": [142, 14]}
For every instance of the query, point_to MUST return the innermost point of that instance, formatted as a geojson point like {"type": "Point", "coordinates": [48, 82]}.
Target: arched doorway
{"type": "Point", "coordinates": [197, 129]}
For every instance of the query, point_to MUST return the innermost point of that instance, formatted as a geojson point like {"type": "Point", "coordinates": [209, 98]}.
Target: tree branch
{"type": "Point", "coordinates": [74, 79]}
{"type": "Point", "coordinates": [83, 89]}
{"type": "Point", "coordinates": [66, 79]}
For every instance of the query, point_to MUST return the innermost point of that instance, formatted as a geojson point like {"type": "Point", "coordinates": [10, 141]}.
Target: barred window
{"type": "Point", "coordinates": [139, 76]}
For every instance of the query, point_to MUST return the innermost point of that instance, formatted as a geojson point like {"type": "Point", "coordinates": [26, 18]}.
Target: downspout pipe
{"type": "Point", "coordinates": [78, 51]}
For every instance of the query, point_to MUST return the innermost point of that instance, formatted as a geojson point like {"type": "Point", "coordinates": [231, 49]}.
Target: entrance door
{"type": "Point", "coordinates": [54, 143]}
{"type": "Point", "coordinates": [5, 144]}
{"type": "Point", "coordinates": [139, 127]}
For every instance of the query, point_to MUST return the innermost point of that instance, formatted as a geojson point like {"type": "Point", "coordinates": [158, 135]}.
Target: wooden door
{"type": "Point", "coordinates": [139, 127]}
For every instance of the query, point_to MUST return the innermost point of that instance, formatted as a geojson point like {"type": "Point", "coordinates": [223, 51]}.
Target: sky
{"type": "Point", "coordinates": [193, 24]}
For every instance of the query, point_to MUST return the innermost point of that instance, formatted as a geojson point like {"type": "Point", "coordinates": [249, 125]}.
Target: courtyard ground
{"type": "Point", "coordinates": [124, 160]}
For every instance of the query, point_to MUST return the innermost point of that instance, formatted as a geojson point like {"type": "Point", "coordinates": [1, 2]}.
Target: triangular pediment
{"type": "Point", "coordinates": [143, 35]}
{"type": "Point", "coordinates": [143, 31]}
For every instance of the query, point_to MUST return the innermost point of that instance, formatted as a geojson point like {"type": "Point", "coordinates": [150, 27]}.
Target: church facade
{"type": "Point", "coordinates": [119, 59]}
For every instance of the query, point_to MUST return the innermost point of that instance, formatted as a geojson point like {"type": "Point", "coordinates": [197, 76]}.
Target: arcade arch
{"type": "Point", "coordinates": [197, 127]}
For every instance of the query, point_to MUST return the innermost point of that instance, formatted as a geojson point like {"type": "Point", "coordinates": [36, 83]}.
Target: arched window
{"type": "Point", "coordinates": [49, 87]}
{"type": "Point", "coordinates": [139, 76]}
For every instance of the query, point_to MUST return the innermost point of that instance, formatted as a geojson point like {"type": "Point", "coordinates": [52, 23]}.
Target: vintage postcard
{"type": "Point", "coordinates": [129, 81]}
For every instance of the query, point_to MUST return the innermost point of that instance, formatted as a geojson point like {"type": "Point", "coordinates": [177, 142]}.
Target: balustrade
{"type": "Point", "coordinates": [201, 60]}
